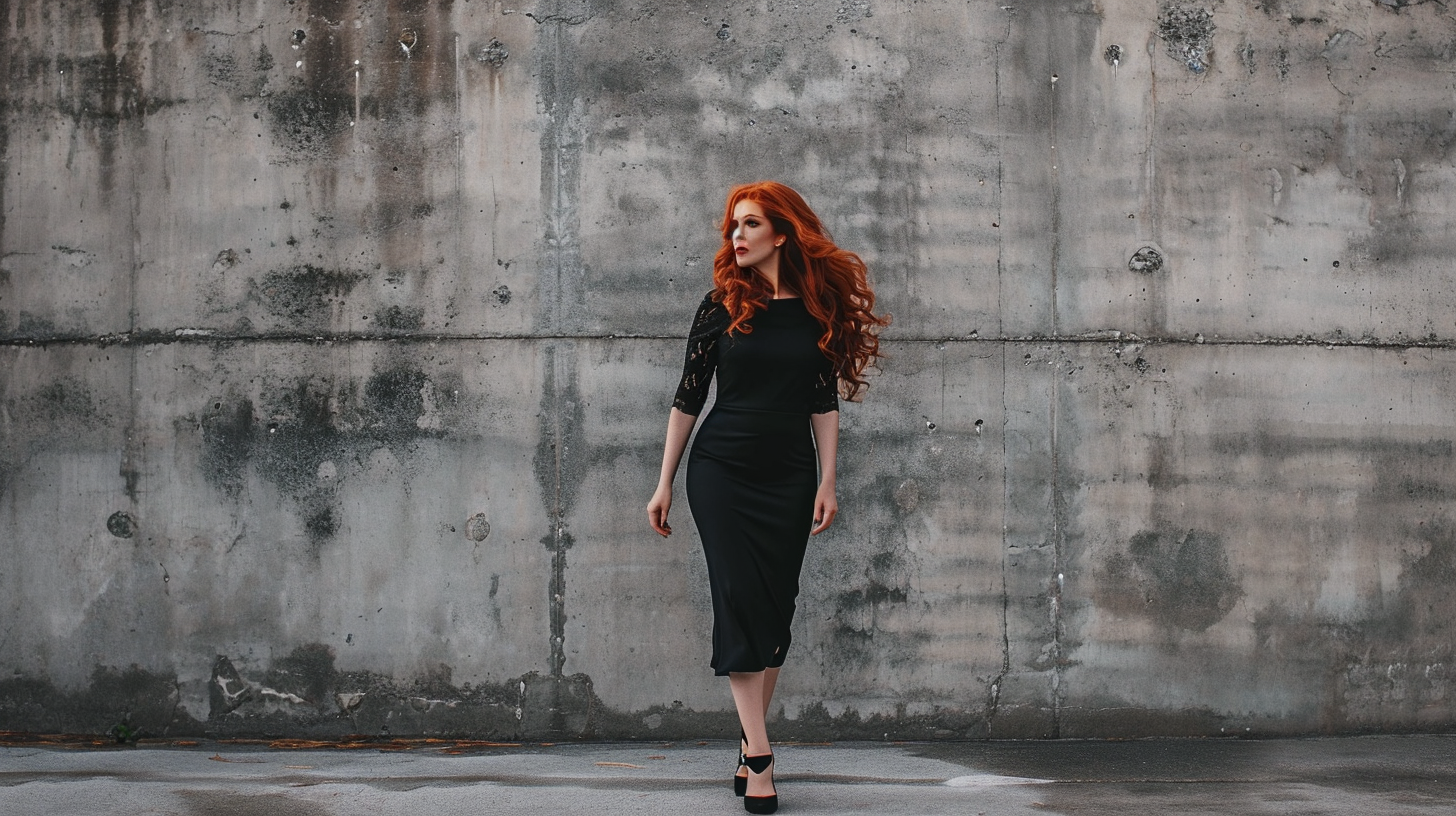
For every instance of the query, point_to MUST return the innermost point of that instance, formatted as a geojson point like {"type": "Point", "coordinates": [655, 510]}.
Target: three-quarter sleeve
{"type": "Point", "coordinates": [702, 357]}
{"type": "Point", "coordinates": [825, 395]}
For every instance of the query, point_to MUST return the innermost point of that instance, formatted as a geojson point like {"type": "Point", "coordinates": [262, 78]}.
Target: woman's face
{"type": "Point", "coordinates": [754, 238]}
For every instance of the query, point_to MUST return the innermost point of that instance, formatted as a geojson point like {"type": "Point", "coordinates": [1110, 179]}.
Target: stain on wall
{"type": "Point", "coordinates": [147, 703]}
{"type": "Point", "coordinates": [1388, 663]}
{"type": "Point", "coordinates": [1187, 33]}
{"type": "Point", "coordinates": [307, 437]}
{"type": "Point", "coordinates": [305, 297]}
{"type": "Point", "coordinates": [1175, 578]}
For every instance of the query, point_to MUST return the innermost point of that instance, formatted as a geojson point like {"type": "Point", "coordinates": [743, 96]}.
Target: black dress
{"type": "Point", "coordinates": [752, 472]}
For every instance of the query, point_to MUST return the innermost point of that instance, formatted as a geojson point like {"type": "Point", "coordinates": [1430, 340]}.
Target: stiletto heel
{"type": "Point", "coordinates": [760, 804]}
{"type": "Point", "coordinates": [740, 783]}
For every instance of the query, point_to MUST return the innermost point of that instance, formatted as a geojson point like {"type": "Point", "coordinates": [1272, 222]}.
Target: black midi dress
{"type": "Point", "coordinates": [752, 472]}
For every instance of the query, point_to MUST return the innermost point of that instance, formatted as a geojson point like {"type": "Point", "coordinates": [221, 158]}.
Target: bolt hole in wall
{"type": "Point", "coordinates": [121, 524]}
{"type": "Point", "coordinates": [1146, 260]}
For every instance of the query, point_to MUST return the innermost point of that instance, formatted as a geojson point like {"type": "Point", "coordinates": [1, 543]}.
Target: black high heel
{"type": "Point", "coordinates": [760, 804]}
{"type": "Point", "coordinates": [740, 783]}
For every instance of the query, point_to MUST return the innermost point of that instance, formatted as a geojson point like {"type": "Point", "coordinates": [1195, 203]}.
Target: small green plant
{"type": "Point", "coordinates": [123, 734]}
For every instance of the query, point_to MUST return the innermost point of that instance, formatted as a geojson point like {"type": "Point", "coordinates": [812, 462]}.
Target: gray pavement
{"type": "Point", "coordinates": [1361, 775]}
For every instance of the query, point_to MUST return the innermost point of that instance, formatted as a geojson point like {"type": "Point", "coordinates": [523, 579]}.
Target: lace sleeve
{"type": "Point", "coordinates": [825, 396]}
{"type": "Point", "coordinates": [701, 358]}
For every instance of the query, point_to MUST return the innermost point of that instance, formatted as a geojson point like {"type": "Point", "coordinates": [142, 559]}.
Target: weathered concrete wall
{"type": "Point", "coordinates": [338, 341]}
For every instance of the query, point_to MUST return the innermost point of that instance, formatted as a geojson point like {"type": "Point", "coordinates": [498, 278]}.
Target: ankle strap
{"type": "Point", "coordinates": [758, 764]}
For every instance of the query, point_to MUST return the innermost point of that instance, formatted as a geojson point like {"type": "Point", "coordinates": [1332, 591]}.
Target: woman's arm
{"type": "Point", "coordinates": [826, 442]}
{"type": "Point", "coordinates": [679, 428]}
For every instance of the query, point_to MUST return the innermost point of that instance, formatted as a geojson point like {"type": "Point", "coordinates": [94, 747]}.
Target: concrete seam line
{"type": "Point", "coordinates": [164, 339]}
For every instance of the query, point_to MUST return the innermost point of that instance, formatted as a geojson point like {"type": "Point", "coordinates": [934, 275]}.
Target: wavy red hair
{"type": "Point", "coordinates": [833, 282]}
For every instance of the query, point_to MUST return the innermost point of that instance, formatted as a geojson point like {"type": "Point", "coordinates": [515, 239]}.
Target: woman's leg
{"type": "Point", "coordinates": [751, 694]}
{"type": "Point", "coordinates": [770, 680]}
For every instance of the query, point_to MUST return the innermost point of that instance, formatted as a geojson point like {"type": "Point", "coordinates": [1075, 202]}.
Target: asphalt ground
{"type": "Point", "coordinates": [1368, 776]}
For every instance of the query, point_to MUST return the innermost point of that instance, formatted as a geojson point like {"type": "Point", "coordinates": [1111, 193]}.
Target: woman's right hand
{"type": "Point", "coordinates": [657, 511]}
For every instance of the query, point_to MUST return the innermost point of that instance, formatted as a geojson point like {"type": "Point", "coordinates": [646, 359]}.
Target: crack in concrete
{"type": "Point", "coordinates": [561, 142]}
{"type": "Point", "coordinates": [993, 701]}
{"type": "Point", "coordinates": [1058, 505]}
{"type": "Point", "coordinates": [1058, 509]}
{"type": "Point", "coordinates": [133, 452]}
{"type": "Point", "coordinates": [993, 705]}
{"type": "Point", "coordinates": [212, 32]}
{"type": "Point", "coordinates": [1334, 42]}
{"type": "Point", "coordinates": [176, 704]}
{"type": "Point", "coordinates": [561, 19]}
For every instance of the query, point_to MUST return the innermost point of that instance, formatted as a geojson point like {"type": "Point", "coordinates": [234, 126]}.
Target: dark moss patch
{"type": "Point", "coordinates": [65, 399]}
{"type": "Point", "coordinates": [338, 704]}
{"type": "Point", "coordinates": [815, 722]}
{"type": "Point", "coordinates": [303, 433]}
{"type": "Point", "coordinates": [32, 326]}
{"type": "Point", "coordinates": [304, 295]}
{"type": "Point", "coordinates": [146, 702]}
{"type": "Point", "coordinates": [303, 437]}
{"type": "Point", "coordinates": [227, 444]}
{"type": "Point", "coordinates": [58, 413]}
{"type": "Point", "coordinates": [1386, 671]}
{"type": "Point", "coordinates": [399, 319]}
{"type": "Point", "coordinates": [305, 121]}
{"type": "Point", "coordinates": [107, 88]}
{"type": "Point", "coordinates": [1423, 615]}
{"type": "Point", "coordinates": [873, 594]}
{"type": "Point", "coordinates": [222, 68]}
{"type": "Point", "coordinates": [396, 400]}
{"type": "Point", "coordinates": [307, 671]}
{"type": "Point", "coordinates": [1178, 578]}
{"type": "Point", "coordinates": [322, 523]}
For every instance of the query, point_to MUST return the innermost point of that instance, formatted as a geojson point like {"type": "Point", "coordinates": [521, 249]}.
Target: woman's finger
{"type": "Point", "coordinates": [657, 517]}
{"type": "Point", "coordinates": [823, 517]}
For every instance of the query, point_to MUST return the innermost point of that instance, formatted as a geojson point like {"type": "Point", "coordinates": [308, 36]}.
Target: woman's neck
{"type": "Point", "coordinates": [769, 269]}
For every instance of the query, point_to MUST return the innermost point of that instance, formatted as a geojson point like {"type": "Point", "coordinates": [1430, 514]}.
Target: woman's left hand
{"type": "Point", "coordinates": [826, 507]}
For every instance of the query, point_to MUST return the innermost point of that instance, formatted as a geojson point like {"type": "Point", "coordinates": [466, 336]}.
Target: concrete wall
{"type": "Point", "coordinates": [339, 340]}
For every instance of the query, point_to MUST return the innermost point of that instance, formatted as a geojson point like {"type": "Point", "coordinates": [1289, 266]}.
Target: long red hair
{"type": "Point", "coordinates": [833, 282]}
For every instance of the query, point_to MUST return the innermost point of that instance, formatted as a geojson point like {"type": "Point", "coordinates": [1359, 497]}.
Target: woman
{"type": "Point", "coordinates": [788, 326]}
